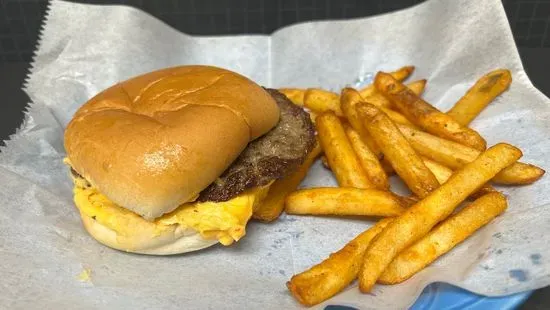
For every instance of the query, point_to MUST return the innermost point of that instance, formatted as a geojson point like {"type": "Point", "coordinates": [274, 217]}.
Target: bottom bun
{"type": "Point", "coordinates": [169, 242]}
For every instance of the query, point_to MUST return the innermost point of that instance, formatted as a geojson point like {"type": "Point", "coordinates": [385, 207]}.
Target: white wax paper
{"type": "Point", "coordinates": [84, 49]}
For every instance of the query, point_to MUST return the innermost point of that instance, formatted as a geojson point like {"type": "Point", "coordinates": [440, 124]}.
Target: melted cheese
{"type": "Point", "coordinates": [224, 221]}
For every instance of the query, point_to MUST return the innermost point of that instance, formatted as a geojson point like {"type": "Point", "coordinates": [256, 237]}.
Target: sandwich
{"type": "Point", "coordinates": [178, 159]}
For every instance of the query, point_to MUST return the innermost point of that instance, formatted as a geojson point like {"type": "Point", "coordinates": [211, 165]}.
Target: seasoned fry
{"type": "Point", "coordinates": [320, 100]}
{"type": "Point", "coordinates": [455, 155]}
{"type": "Point", "coordinates": [382, 102]}
{"type": "Point", "coordinates": [425, 115]}
{"type": "Point", "coordinates": [419, 219]}
{"type": "Point", "coordinates": [485, 90]}
{"type": "Point", "coordinates": [369, 161]}
{"type": "Point", "coordinates": [418, 86]}
{"type": "Point", "coordinates": [273, 204]}
{"type": "Point", "coordinates": [444, 237]}
{"type": "Point", "coordinates": [348, 99]}
{"type": "Point", "coordinates": [519, 174]}
{"type": "Point", "coordinates": [398, 118]}
{"type": "Point", "coordinates": [401, 74]}
{"type": "Point", "coordinates": [296, 95]}
{"type": "Point", "coordinates": [335, 273]}
{"type": "Point", "coordinates": [407, 164]}
{"type": "Point", "coordinates": [345, 201]}
{"type": "Point", "coordinates": [341, 157]}
{"type": "Point", "coordinates": [443, 173]}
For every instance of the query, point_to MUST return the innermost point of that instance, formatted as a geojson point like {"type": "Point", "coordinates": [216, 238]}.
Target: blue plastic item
{"type": "Point", "coordinates": [442, 296]}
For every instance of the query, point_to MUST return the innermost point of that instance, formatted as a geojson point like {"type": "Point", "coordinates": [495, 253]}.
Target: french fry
{"type": "Point", "coordinates": [397, 117]}
{"type": "Point", "coordinates": [348, 99]}
{"type": "Point", "coordinates": [372, 167]}
{"type": "Point", "coordinates": [455, 155]}
{"type": "Point", "coordinates": [380, 101]}
{"type": "Point", "coordinates": [296, 95]}
{"type": "Point", "coordinates": [401, 74]}
{"type": "Point", "coordinates": [419, 219]}
{"type": "Point", "coordinates": [444, 237]}
{"type": "Point", "coordinates": [407, 164]}
{"type": "Point", "coordinates": [273, 204]}
{"type": "Point", "coordinates": [485, 90]}
{"type": "Point", "coordinates": [418, 86]}
{"type": "Point", "coordinates": [443, 173]}
{"type": "Point", "coordinates": [519, 174]}
{"type": "Point", "coordinates": [345, 201]}
{"type": "Point", "coordinates": [341, 158]}
{"type": "Point", "coordinates": [320, 100]}
{"type": "Point", "coordinates": [425, 115]}
{"type": "Point", "coordinates": [335, 273]}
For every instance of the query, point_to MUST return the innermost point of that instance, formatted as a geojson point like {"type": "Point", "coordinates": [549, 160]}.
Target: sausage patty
{"type": "Point", "coordinates": [270, 157]}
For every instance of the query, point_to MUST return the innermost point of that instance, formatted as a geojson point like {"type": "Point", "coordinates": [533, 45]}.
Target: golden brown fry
{"type": "Point", "coordinates": [320, 100]}
{"type": "Point", "coordinates": [407, 164]}
{"type": "Point", "coordinates": [345, 201]}
{"type": "Point", "coordinates": [443, 173]}
{"type": "Point", "coordinates": [444, 237]}
{"type": "Point", "coordinates": [519, 174]}
{"type": "Point", "coordinates": [335, 273]}
{"type": "Point", "coordinates": [369, 161]}
{"type": "Point", "coordinates": [418, 86]}
{"type": "Point", "coordinates": [273, 204]}
{"type": "Point", "coordinates": [401, 74]}
{"type": "Point", "coordinates": [382, 102]}
{"type": "Point", "coordinates": [455, 155]}
{"type": "Point", "coordinates": [485, 90]}
{"type": "Point", "coordinates": [348, 99]}
{"type": "Point", "coordinates": [425, 115]}
{"type": "Point", "coordinates": [398, 118]}
{"type": "Point", "coordinates": [341, 157]}
{"type": "Point", "coordinates": [296, 95]}
{"type": "Point", "coordinates": [419, 219]}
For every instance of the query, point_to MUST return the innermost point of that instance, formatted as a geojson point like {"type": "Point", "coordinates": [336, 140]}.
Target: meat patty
{"type": "Point", "coordinates": [270, 157]}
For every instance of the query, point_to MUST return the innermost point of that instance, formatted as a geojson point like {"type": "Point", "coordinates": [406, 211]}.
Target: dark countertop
{"type": "Point", "coordinates": [536, 62]}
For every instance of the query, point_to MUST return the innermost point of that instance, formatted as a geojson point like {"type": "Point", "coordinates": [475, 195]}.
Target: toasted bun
{"type": "Point", "coordinates": [156, 141]}
{"type": "Point", "coordinates": [173, 241]}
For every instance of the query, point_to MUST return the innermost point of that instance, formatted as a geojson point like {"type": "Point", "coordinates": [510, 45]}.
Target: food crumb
{"type": "Point", "coordinates": [85, 275]}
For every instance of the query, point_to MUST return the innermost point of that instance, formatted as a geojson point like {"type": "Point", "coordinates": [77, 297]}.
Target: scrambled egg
{"type": "Point", "coordinates": [224, 221]}
{"type": "Point", "coordinates": [85, 275]}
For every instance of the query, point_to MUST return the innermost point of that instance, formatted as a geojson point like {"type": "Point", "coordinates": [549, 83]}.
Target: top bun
{"type": "Point", "coordinates": [157, 140]}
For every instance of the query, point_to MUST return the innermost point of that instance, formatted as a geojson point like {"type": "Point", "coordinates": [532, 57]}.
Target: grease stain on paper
{"type": "Point", "coordinates": [536, 259]}
{"type": "Point", "coordinates": [519, 274]}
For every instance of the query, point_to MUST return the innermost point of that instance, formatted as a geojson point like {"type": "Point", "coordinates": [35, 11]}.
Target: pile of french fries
{"type": "Point", "coordinates": [387, 128]}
